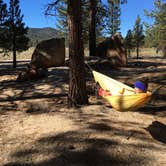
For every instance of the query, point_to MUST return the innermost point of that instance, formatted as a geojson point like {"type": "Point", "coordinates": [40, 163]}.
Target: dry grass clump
{"type": "Point", "coordinates": [22, 55]}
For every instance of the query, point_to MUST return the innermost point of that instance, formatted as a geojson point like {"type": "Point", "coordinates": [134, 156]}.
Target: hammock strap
{"type": "Point", "coordinates": [89, 67]}
{"type": "Point", "coordinates": [156, 89]}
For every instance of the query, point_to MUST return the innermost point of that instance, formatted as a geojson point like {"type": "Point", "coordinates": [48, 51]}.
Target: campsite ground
{"type": "Point", "coordinates": [37, 128]}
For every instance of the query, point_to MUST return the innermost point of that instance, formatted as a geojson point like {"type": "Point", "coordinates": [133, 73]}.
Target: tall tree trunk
{"type": "Point", "coordinates": [129, 52]}
{"type": "Point", "coordinates": [14, 52]}
{"type": "Point", "coordinates": [92, 28]}
{"type": "Point", "coordinates": [137, 50]}
{"type": "Point", "coordinates": [13, 37]}
{"type": "Point", "coordinates": [77, 85]}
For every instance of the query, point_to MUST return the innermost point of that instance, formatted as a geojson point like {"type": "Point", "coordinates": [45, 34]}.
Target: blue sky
{"type": "Point", "coordinates": [34, 13]}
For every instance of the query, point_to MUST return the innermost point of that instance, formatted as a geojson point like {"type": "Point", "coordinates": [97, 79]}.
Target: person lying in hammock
{"type": "Point", "coordinates": [139, 87]}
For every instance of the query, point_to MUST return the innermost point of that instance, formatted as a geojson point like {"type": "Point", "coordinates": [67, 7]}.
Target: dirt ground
{"type": "Point", "coordinates": [37, 128]}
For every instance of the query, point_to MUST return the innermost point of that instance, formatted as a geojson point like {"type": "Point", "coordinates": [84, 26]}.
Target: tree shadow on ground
{"type": "Point", "coordinates": [139, 63]}
{"type": "Point", "coordinates": [152, 109]}
{"type": "Point", "coordinates": [6, 67]}
{"type": "Point", "coordinates": [75, 148]}
{"type": "Point", "coordinates": [82, 147]}
{"type": "Point", "coordinates": [94, 144]}
{"type": "Point", "coordinates": [56, 79]}
{"type": "Point", "coordinates": [52, 88]}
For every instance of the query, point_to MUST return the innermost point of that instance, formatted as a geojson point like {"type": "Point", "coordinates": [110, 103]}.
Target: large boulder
{"type": "Point", "coordinates": [49, 53]}
{"type": "Point", "coordinates": [113, 49]}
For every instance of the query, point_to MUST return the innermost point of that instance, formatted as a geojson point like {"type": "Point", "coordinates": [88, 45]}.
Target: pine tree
{"type": "Point", "coordinates": [16, 30]}
{"type": "Point", "coordinates": [97, 23]}
{"type": "Point", "coordinates": [62, 18]}
{"type": "Point", "coordinates": [60, 11]}
{"type": "Point", "coordinates": [94, 24]}
{"type": "Point", "coordinates": [138, 35]}
{"type": "Point", "coordinates": [3, 12]}
{"type": "Point", "coordinates": [3, 17]}
{"type": "Point", "coordinates": [92, 27]}
{"type": "Point", "coordinates": [77, 85]}
{"type": "Point", "coordinates": [129, 42]}
{"type": "Point", "coordinates": [114, 13]}
{"type": "Point", "coordinates": [156, 33]}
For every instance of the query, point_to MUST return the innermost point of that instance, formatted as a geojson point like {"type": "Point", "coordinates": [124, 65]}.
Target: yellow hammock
{"type": "Point", "coordinates": [123, 97]}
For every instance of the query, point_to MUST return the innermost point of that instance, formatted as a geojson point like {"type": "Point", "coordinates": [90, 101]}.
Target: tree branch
{"type": "Point", "coordinates": [50, 7]}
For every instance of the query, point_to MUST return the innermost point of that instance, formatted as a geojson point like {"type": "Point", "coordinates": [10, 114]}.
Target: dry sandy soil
{"type": "Point", "coordinates": [37, 128]}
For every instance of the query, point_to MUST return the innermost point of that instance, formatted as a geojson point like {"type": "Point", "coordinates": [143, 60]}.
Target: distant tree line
{"type": "Point", "coordinates": [154, 34]}
{"type": "Point", "coordinates": [12, 29]}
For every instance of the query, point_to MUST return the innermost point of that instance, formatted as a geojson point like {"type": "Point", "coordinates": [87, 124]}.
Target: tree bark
{"type": "Point", "coordinates": [13, 37]}
{"type": "Point", "coordinates": [92, 28]}
{"type": "Point", "coordinates": [14, 52]}
{"type": "Point", "coordinates": [77, 85]}
{"type": "Point", "coordinates": [137, 50]}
